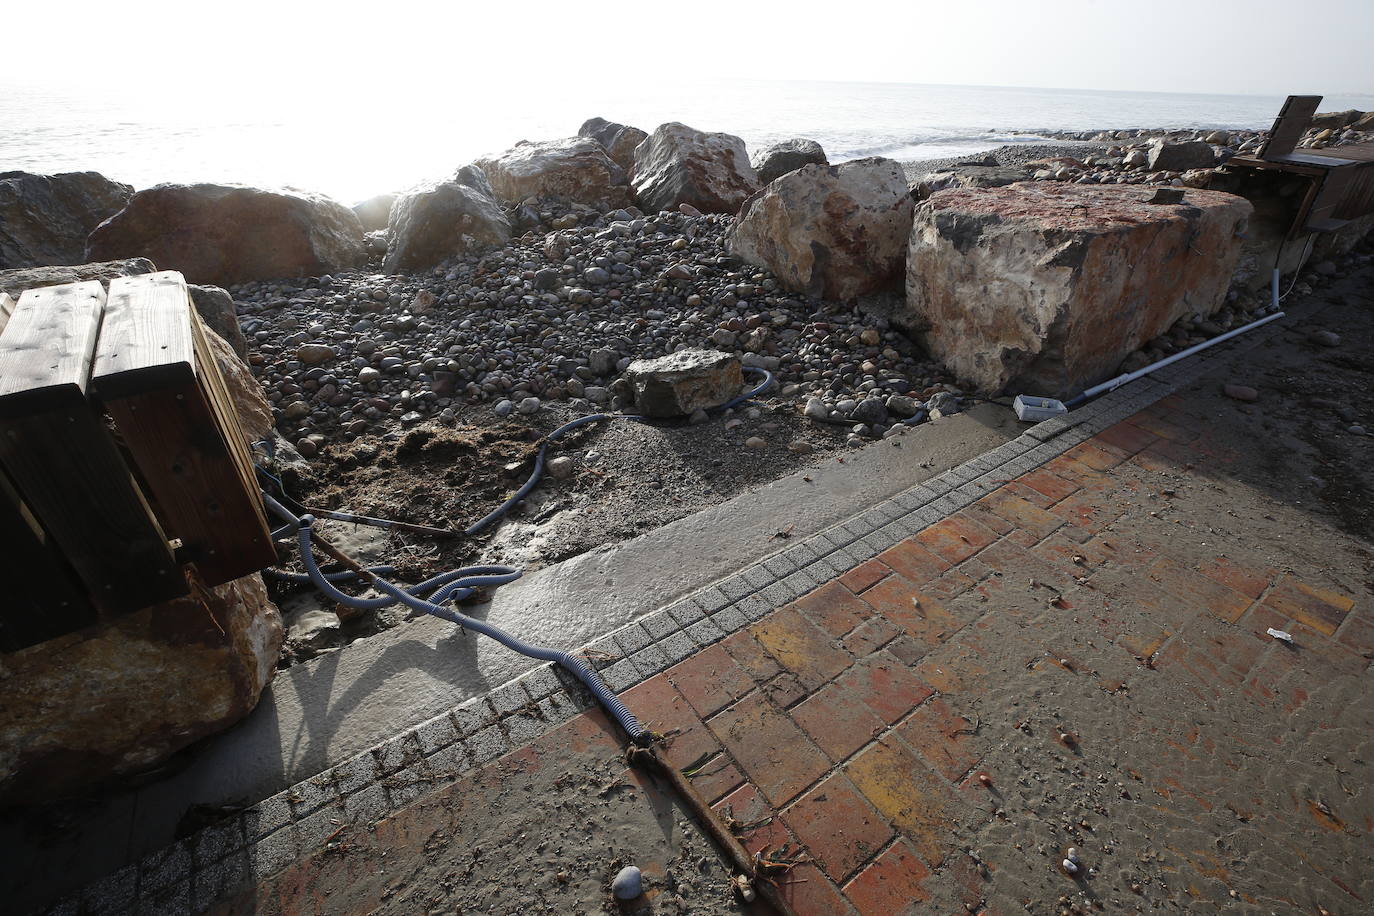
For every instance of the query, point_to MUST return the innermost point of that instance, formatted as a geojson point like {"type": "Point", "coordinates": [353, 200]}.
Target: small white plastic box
{"type": "Point", "coordinates": [1035, 409]}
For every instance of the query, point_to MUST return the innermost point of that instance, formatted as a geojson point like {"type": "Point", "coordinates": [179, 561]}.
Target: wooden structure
{"type": "Point", "coordinates": [1340, 182]}
{"type": "Point", "coordinates": [121, 456]}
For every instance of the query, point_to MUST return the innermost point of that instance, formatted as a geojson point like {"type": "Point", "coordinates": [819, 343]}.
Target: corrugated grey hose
{"type": "Point", "coordinates": [457, 585]}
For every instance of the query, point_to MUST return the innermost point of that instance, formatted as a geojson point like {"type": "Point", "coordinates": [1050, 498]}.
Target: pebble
{"type": "Point", "coordinates": [504, 408]}
{"type": "Point", "coordinates": [528, 406]}
{"type": "Point", "coordinates": [561, 468]}
{"type": "Point", "coordinates": [628, 883]}
{"type": "Point", "coordinates": [755, 442]}
{"type": "Point", "coordinates": [1325, 338]}
{"type": "Point", "coordinates": [1240, 393]}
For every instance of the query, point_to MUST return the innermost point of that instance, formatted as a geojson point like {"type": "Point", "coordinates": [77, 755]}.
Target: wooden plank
{"type": "Point", "coordinates": [223, 404]}
{"type": "Point", "coordinates": [46, 347]}
{"type": "Point", "coordinates": [145, 337]}
{"type": "Point", "coordinates": [1293, 119]}
{"type": "Point", "coordinates": [150, 379]}
{"type": "Point", "coordinates": [43, 597]}
{"type": "Point", "coordinates": [63, 461]}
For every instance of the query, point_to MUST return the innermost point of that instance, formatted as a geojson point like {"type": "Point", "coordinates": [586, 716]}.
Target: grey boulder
{"type": "Point", "coordinates": [44, 219]}
{"type": "Point", "coordinates": [438, 221]}
{"type": "Point", "coordinates": [577, 169]}
{"type": "Point", "coordinates": [680, 165]}
{"type": "Point", "coordinates": [619, 140]}
{"type": "Point", "coordinates": [838, 231]}
{"type": "Point", "coordinates": [683, 382]}
{"type": "Point", "coordinates": [787, 156]}
{"type": "Point", "coordinates": [1164, 156]}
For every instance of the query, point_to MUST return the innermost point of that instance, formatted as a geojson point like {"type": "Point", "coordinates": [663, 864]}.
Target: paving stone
{"type": "Point", "coordinates": [541, 682]}
{"type": "Point", "coordinates": [436, 733]}
{"type": "Point", "coordinates": [686, 613]}
{"type": "Point", "coordinates": [801, 647]}
{"type": "Point", "coordinates": [631, 639]}
{"type": "Point", "coordinates": [774, 753]}
{"type": "Point", "coordinates": [833, 607]}
{"type": "Point", "coordinates": [838, 825]}
{"type": "Point", "coordinates": [486, 744]}
{"type": "Point", "coordinates": [356, 772]}
{"type": "Point", "coordinates": [705, 632]}
{"type": "Point", "coordinates": [658, 625]}
{"type": "Point", "coordinates": [470, 717]}
{"type": "Point", "coordinates": [904, 791]}
{"type": "Point", "coordinates": [710, 680]}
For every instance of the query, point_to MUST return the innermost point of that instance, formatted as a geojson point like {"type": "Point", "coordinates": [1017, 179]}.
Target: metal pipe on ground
{"type": "Point", "coordinates": [1160, 364]}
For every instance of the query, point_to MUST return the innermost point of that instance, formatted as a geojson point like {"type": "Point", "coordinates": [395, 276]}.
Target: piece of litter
{"type": "Point", "coordinates": [1280, 634]}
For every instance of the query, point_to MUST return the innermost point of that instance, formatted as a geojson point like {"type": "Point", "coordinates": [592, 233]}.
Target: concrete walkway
{"type": "Point", "coordinates": [1064, 642]}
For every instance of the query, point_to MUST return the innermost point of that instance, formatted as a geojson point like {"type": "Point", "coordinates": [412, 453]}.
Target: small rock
{"type": "Point", "coordinates": [628, 884]}
{"type": "Point", "coordinates": [528, 406]}
{"type": "Point", "coordinates": [1240, 393]}
{"type": "Point", "coordinates": [1355, 428]}
{"type": "Point", "coordinates": [1325, 338]}
{"type": "Point", "coordinates": [307, 447]}
{"type": "Point", "coordinates": [816, 409]}
{"type": "Point", "coordinates": [698, 417]}
{"type": "Point", "coordinates": [800, 447]}
{"type": "Point", "coordinates": [314, 354]}
{"type": "Point", "coordinates": [504, 408]}
{"type": "Point", "coordinates": [561, 468]}
{"type": "Point", "coordinates": [755, 442]}
{"type": "Point", "coordinates": [870, 411]}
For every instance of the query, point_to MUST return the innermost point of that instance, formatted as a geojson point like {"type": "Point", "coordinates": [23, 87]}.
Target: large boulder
{"type": "Point", "coordinates": [118, 698]}
{"type": "Point", "coordinates": [44, 219]}
{"type": "Point", "coordinates": [1044, 287]}
{"type": "Point", "coordinates": [619, 140]}
{"type": "Point", "coordinates": [15, 282]}
{"type": "Point", "coordinates": [680, 165]}
{"type": "Point", "coordinates": [787, 156]}
{"type": "Point", "coordinates": [1163, 156]}
{"type": "Point", "coordinates": [680, 383]}
{"type": "Point", "coordinates": [216, 308]}
{"type": "Point", "coordinates": [226, 234]}
{"type": "Point", "coordinates": [1335, 120]}
{"type": "Point", "coordinates": [838, 231]}
{"type": "Point", "coordinates": [576, 169]}
{"type": "Point", "coordinates": [438, 221]}
{"type": "Point", "coordinates": [375, 212]}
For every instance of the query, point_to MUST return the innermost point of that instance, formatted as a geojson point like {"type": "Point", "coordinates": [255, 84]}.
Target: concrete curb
{"type": "Point", "coordinates": [190, 875]}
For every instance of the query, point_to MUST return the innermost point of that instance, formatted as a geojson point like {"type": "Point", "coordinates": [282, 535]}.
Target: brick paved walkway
{"type": "Point", "coordinates": [1079, 658]}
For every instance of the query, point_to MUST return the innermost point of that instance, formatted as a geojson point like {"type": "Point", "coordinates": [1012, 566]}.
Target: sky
{"type": "Point", "coordinates": [277, 49]}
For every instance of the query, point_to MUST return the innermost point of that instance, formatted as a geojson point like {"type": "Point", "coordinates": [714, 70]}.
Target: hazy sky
{"type": "Point", "coordinates": [373, 49]}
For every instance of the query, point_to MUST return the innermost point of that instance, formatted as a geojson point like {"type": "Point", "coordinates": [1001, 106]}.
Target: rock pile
{"type": "Point", "coordinates": [555, 317]}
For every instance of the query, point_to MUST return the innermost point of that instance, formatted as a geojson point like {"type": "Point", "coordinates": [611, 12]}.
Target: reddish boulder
{"type": "Point", "coordinates": [1044, 287]}
{"type": "Point", "coordinates": [224, 234]}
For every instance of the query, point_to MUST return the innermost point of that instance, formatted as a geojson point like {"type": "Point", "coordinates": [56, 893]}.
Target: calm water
{"type": "Point", "coordinates": [377, 141]}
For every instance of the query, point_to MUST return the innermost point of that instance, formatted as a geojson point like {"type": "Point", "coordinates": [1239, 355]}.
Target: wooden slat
{"type": "Point", "coordinates": [43, 597]}
{"type": "Point", "coordinates": [62, 460]}
{"type": "Point", "coordinates": [1293, 119]}
{"type": "Point", "coordinates": [150, 378]}
{"type": "Point", "coordinates": [223, 405]}
{"type": "Point", "coordinates": [145, 338]}
{"type": "Point", "coordinates": [46, 347]}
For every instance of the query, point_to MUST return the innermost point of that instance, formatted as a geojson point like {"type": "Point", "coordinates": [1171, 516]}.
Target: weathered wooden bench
{"type": "Point", "coordinates": [121, 457]}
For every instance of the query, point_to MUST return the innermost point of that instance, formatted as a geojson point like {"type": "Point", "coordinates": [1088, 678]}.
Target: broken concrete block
{"type": "Point", "coordinates": [1044, 287]}
{"type": "Point", "coordinates": [685, 381]}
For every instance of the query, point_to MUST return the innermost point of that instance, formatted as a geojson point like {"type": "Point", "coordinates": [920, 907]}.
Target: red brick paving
{"type": "Point", "coordinates": [851, 717]}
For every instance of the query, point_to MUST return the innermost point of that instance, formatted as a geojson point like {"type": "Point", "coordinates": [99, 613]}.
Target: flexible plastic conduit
{"type": "Point", "coordinates": [454, 586]}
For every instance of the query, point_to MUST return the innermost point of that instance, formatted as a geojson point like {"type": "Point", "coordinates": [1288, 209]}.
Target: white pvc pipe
{"type": "Point", "coordinates": [1132, 376]}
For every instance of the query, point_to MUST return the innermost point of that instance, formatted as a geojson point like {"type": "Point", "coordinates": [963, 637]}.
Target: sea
{"type": "Point", "coordinates": [353, 144]}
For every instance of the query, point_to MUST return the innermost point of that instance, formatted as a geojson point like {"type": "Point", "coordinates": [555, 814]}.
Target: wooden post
{"type": "Point", "coordinates": [156, 377]}
{"type": "Point", "coordinates": [63, 461]}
